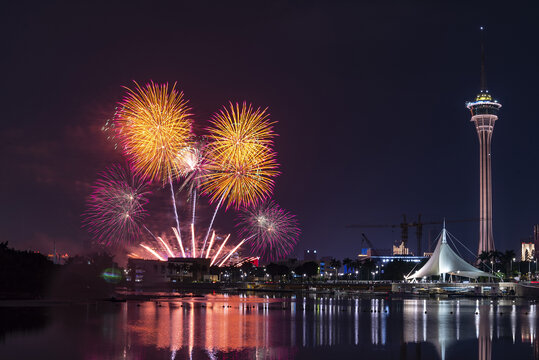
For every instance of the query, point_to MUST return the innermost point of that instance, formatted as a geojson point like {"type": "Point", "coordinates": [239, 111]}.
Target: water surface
{"type": "Point", "coordinates": [273, 327]}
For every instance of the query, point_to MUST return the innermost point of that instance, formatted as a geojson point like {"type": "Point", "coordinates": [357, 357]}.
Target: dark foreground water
{"type": "Point", "coordinates": [267, 327]}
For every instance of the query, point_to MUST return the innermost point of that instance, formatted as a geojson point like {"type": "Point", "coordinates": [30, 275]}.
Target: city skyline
{"type": "Point", "coordinates": [370, 111]}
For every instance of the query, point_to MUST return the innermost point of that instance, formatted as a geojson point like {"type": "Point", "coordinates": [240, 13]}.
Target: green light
{"type": "Point", "coordinates": [112, 275]}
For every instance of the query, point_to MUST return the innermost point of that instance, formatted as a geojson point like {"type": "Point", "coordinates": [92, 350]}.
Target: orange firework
{"type": "Point", "coordinates": [239, 133]}
{"type": "Point", "coordinates": [241, 163]}
{"type": "Point", "coordinates": [242, 182]}
{"type": "Point", "coordinates": [154, 125]}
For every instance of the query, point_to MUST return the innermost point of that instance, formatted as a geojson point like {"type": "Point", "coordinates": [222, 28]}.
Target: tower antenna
{"type": "Point", "coordinates": [483, 75]}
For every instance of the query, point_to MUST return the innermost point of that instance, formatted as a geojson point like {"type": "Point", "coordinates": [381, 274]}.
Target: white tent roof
{"type": "Point", "coordinates": [445, 261]}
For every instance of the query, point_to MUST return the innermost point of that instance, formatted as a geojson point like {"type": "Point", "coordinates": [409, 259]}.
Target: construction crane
{"type": "Point", "coordinates": [365, 239]}
{"type": "Point", "coordinates": [405, 225]}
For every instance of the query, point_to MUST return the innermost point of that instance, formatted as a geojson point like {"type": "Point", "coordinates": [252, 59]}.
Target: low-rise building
{"type": "Point", "coordinates": [157, 272]}
{"type": "Point", "coordinates": [401, 249]}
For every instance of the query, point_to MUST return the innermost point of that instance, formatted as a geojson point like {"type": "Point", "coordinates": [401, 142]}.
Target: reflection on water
{"type": "Point", "coordinates": [264, 327]}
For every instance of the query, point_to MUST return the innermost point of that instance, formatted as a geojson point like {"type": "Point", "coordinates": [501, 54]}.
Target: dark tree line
{"type": "Point", "coordinates": [24, 273]}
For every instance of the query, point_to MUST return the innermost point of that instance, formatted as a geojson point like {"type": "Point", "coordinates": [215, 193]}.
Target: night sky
{"type": "Point", "coordinates": [369, 99]}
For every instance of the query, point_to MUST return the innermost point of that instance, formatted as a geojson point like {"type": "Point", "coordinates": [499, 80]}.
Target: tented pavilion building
{"type": "Point", "coordinates": [444, 261]}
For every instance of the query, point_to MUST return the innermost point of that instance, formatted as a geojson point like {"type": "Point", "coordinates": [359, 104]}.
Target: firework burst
{"type": "Point", "coordinates": [154, 125]}
{"type": "Point", "coordinates": [241, 161]}
{"type": "Point", "coordinates": [115, 209]}
{"type": "Point", "coordinates": [243, 182]}
{"type": "Point", "coordinates": [272, 232]}
{"type": "Point", "coordinates": [192, 166]}
{"type": "Point", "coordinates": [240, 133]}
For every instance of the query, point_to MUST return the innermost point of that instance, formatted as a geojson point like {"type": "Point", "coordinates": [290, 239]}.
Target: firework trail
{"type": "Point", "coordinates": [273, 231]}
{"type": "Point", "coordinates": [153, 252]}
{"type": "Point", "coordinates": [193, 251]}
{"type": "Point", "coordinates": [212, 220]}
{"type": "Point", "coordinates": [210, 245]}
{"type": "Point", "coordinates": [219, 251]}
{"type": "Point", "coordinates": [178, 237]}
{"type": "Point", "coordinates": [167, 248]}
{"type": "Point", "coordinates": [115, 208]}
{"type": "Point", "coordinates": [234, 250]}
{"type": "Point", "coordinates": [192, 167]}
{"type": "Point", "coordinates": [178, 231]}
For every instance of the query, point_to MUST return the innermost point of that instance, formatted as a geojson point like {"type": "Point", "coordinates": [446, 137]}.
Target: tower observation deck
{"type": "Point", "coordinates": [484, 110]}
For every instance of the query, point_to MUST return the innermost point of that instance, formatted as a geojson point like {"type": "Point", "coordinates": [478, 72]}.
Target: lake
{"type": "Point", "coordinates": [221, 326]}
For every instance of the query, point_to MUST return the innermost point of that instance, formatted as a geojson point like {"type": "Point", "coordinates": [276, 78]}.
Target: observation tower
{"type": "Point", "coordinates": [484, 111]}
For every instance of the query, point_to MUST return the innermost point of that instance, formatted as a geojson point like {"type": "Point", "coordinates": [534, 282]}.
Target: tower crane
{"type": "Point", "coordinates": [405, 225]}
{"type": "Point", "coordinates": [365, 239]}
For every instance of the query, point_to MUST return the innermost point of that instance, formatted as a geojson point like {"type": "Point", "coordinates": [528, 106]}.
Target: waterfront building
{"type": "Point", "coordinates": [325, 266]}
{"type": "Point", "coordinates": [187, 269]}
{"type": "Point", "coordinates": [157, 272]}
{"type": "Point", "coordinates": [444, 261]}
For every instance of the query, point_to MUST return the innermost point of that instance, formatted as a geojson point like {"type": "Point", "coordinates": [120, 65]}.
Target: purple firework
{"type": "Point", "coordinates": [272, 231]}
{"type": "Point", "coordinates": [115, 209]}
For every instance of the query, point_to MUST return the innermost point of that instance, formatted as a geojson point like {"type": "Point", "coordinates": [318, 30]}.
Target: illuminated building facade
{"type": "Point", "coordinates": [536, 237]}
{"type": "Point", "coordinates": [527, 251]}
{"type": "Point", "coordinates": [401, 249]}
{"type": "Point", "coordinates": [484, 110]}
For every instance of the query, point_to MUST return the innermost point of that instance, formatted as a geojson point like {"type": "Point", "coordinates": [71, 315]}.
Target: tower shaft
{"type": "Point", "coordinates": [484, 125]}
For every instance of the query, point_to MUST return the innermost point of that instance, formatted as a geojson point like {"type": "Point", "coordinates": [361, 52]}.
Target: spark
{"type": "Point", "coordinates": [170, 253]}
{"type": "Point", "coordinates": [193, 240]}
{"type": "Point", "coordinates": [159, 257]}
{"type": "Point", "coordinates": [219, 251]}
{"type": "Point", "coordinates": [212, 220]}
{"type": "Point", "coordinates": [210, 245]}
{"type": "Point", "coordinates": [232, 252]}
{"type": "Point", "coordinates": [179, 238]}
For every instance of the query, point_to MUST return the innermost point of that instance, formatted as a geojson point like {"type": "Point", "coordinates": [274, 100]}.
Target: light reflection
{"type": "Point", "coordinates": [224, 324]}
